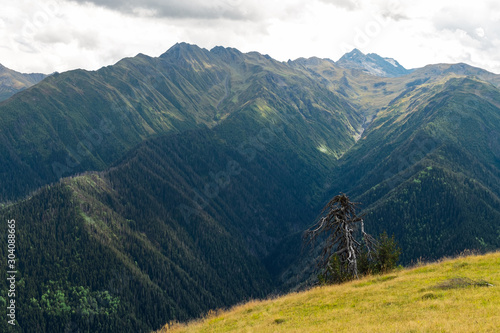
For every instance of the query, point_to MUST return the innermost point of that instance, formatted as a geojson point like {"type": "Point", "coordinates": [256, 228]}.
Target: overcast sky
{"type": "Point", "coordinates": [59, 35]}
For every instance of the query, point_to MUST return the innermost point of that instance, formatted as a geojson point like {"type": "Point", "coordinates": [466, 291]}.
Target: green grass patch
{"type": "Point", "coordinates": [421, 299]}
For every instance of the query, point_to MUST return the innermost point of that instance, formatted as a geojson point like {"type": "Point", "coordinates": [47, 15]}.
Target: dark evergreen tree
{"type": "Point", "coordinates": [387, 253]}
{"type": "Point", "coordinates": [383, 259]}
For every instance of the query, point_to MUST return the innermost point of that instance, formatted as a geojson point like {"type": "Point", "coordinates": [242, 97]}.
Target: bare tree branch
{"type": "Point", "coordinates": [340, 222]}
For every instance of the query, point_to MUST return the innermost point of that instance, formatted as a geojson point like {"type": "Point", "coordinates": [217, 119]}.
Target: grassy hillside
{"type": "Point", "coordinates": [447, 296]}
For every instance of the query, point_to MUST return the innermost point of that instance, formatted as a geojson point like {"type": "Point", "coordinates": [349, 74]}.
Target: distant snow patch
{"type": "Point", "coordinates": [373, 68]}
{"type": "Point", "coordinates": [392, 62]}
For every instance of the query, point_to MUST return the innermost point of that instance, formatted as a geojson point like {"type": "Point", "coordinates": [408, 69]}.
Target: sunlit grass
{"type": "Point", "coordinates": [411, 300]}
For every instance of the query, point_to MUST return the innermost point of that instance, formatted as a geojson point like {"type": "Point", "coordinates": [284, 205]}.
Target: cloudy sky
{"type": "Point", "coordinates": [59, 35]}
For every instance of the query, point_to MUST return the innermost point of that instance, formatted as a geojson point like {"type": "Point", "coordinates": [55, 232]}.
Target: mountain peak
{"type": "Point", "coordinates": [179, 49]}
{"type": "Point", "coordinates": [354, 53]}
{"type": "Point", "coordinates": [184, 46]}
{"type": "Point", "coordinates": [372, 63]}
{"type": "Point", "coordinates": [227, 54]}
{"type": "Point", "coordinates": [314, 61]}
{"type": "Point", "coordinates": [222, 49]}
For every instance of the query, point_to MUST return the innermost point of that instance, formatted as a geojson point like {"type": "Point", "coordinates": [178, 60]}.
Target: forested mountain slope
{"type": "Point", "coordinates": [79, 120]}
{"type": "Point", "coordinates": [187, 218]}
{"type": "Point", "coordinates": [425, 169]}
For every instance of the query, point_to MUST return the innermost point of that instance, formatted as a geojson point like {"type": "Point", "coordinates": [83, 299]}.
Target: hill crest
{"type": "Point", "coordinates": [452, 295]}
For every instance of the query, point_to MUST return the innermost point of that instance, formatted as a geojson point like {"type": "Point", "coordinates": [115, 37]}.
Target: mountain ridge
{"type": "Point", "coordinates": [121, 105]}
{"type": "Point", "coordinates": [12, 82]}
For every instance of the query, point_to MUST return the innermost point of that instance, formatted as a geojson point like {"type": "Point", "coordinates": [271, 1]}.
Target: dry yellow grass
{"type": "Point", "coordinates": [411, 300]}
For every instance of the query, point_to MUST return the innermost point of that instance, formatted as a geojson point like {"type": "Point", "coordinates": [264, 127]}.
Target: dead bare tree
{"type": "Point", "coordinates": [340, 223]}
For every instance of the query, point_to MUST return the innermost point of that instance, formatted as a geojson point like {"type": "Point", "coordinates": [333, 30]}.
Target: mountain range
{"type": "Point", "coordinates": [12, 82]}
{"type": "Point", "coordinates": [157, 189]}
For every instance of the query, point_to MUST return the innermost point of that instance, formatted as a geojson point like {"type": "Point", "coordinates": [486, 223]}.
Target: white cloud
{"type": "Point", "coordinates": [346, 4]}
{"type": "Point", "coordinates": [58, 35]}
{"type": "Point", "coordinates": [199, 9]}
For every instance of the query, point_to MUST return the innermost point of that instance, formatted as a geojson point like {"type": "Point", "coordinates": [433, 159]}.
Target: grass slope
{"type": "Point", "coordinates": [428, 298]}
